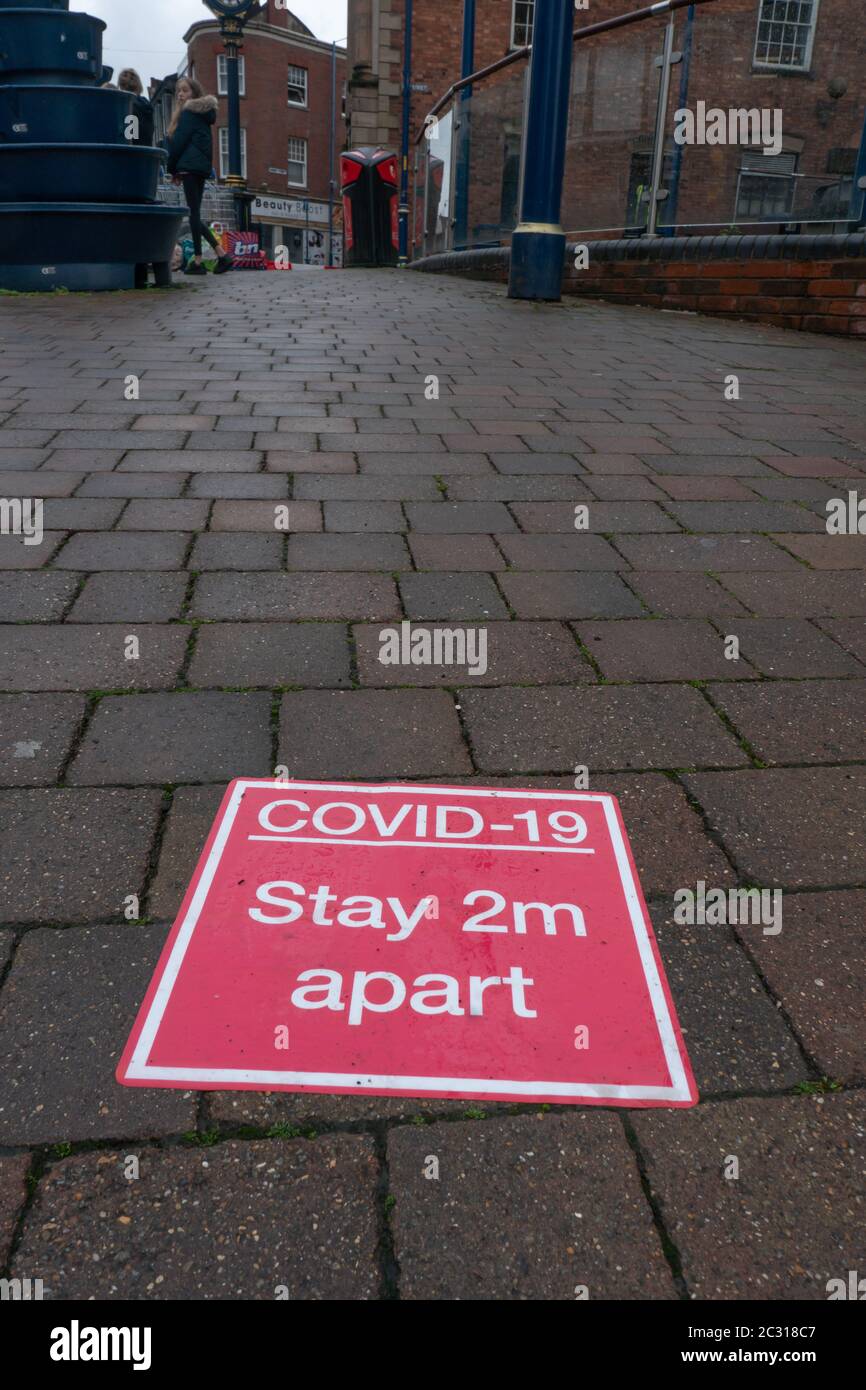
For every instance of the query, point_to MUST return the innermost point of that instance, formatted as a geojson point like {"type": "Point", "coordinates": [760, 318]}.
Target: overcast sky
{"type": "Point", "coordinates": [148, 34]}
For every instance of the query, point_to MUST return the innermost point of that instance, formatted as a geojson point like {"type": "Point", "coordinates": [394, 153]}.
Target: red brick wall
{"type": "Point", "coordinates": [265, 113]}
{"type": "Point", "coordinates": [615, 87]}
{"type": "Point", "coordinates": [819, 296]}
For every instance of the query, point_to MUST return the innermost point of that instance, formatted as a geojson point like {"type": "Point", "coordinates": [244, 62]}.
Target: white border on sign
{"type": "Point", "coordinates": [140, 1070]}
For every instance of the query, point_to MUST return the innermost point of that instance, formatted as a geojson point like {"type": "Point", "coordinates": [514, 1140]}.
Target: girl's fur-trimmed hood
{"type": "Point", "coordinates": [200, 106]}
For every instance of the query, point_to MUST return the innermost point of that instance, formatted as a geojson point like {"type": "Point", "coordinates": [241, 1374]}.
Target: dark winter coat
{"type": "Point", "coordinates": [190, 149]}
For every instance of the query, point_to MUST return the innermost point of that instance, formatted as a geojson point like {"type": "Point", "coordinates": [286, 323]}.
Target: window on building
{"type": "Point", "coordinates": [297, 86]}
{"type": "Point", "coordinates": [766, 186]}
{"type": "Point", "coordinates": [522, 14]}
{"type": "Point", "coordinates": [224, 152]}
{"type": "Point", "coordinates": [786, 31]}
{"type": "Point", "coordinates": [297, 161]}
{"type": "Point", "coordinates": [223, 75]}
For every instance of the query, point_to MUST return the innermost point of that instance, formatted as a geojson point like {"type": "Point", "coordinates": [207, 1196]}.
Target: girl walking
{"type": "Point", "coordinates": [190, 160]}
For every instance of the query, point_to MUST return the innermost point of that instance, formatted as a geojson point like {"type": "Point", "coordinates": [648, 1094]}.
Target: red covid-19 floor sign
{"type": "Point", "coordinates": [417, 941]}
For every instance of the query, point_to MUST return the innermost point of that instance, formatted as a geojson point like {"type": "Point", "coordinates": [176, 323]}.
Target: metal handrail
{"type": "Point", "coordinates": [516, 55]}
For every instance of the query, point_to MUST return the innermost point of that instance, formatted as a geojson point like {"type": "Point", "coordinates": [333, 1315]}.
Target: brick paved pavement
{"type": "Point", "coordinates": [257, 647]}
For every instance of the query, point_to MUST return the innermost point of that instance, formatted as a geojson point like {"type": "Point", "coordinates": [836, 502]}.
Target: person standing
{"type": "Point", "coordinates": [190, 162]}
{"type": "Point", "coordinates": [129, 81]}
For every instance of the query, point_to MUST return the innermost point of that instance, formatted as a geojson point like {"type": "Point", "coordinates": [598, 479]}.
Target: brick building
{"type": "Point", "coordinates": [800, 57]}
{"type": "Point", "coordinates": [286, 79]}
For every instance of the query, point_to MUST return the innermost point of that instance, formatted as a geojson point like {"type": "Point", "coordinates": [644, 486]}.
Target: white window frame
{"type": "Point", "coordinates": [763, 63]}
{"type": "Point", "coordinates": [763, 167]}
{"type": "Point", "coordinates": [223, 75]}
{"type": "Point", "coordinates": [513, 43]}
{"type": "Point", "coordinates": [289, 161]}
{"type": "Point", "coordinates": [224, 151]}
{"type": "Point", "coordinates": [299, 105]}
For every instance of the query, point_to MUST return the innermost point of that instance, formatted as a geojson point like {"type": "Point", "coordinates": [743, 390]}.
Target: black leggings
{"type": "Point", "coordinates": [193, 191]}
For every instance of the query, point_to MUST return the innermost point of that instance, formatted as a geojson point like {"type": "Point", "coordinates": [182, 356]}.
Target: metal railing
{"type": "Point", "coordinates": [646, 152]}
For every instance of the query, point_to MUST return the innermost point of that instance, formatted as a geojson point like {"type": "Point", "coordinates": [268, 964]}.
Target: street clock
{"type": "Point", "coordinates": [233, 9]}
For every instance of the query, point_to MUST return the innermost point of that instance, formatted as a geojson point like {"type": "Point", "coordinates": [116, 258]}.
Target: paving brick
{"type": "Point", "coordinates": [827, 552]}
{"type": "Point", "coordinates": [744, 516]}
{"type": "Point", "coordinates": [601, 517]}
{"type": "Point", "coordinates": [347, 552]}
{"type": "Point", "coordinates": [793, 1219]}
{"type": "Point", "coordinates": [65, 1013]}
{"type": "Point", "coordinates": [285, 596]}
{"type": "Point", "coordinates": [805, 594]}
{"type": "Point", "coordinates": [123, 550]}
{"type": "Point", "coordinates": [560, 594]}
{"type": "Point", "coordinates": [515, 488]}
{"type": "Point", "coordinates": [808, 465]}
{"type": "Point", "coordinates": [191, 814]}
{"type": "Point", "coordinates": [130, 598]}
{"type": "Point", "coordinates": [266, 516]}
{"type": "Point", "coordinates": [527, 464]}
{"type": "Point", "coordinates": [290, 1220]}
{"type": "Point", "coordinates": [36, 734]}
{"type": "Point", "coordinates": [459, 518]}
{"type": "Point", "coordinates": [35, 597]}
{"type": "Point", "coordinates": [668, 597]}
{"type": "Point", "coordinates": [371, 733]}
{"type": "Point", "coordinates": [559, 552]}
{"type": "Point", "coordinates": [126, 485]}
{"type": "Point", "coordinates": [87, 460]}
{"type": "Point", "coordinates": [703, 489]}
{"type": "Point", "coordinates": [366, 487]}
{"type": "Point", "coordinates": [451, 596]}
{"type": "Point", "coordinates": [271, 654]}
{"type": "Point", "coordinates": [562, 1202]}
{"type": "Point", "coordinates": [511, 652]}
{"type": "Point", "coordinates": [164, 514]}
{"type": "Point", "coordinates": [712, 464]}
{"type": "Point", "coordinates": [668, 840]}
{"type": "Point", "coordinates": [206, 461]}
{"type": "Point", "coordinates": [239, 485]}
{"type": "Point", "coordinates": [650, 726]}
{"type": "Point", "coordinates": [13, 1194]}
{"type": "Point", "coordinates": [792, 647]}
{"type": "Point", "coordinates": [663, 649]}
{"type": "Point", "coordinates": [850, 633]}
{"type": "Point", "coordinates": [707, 553]}
{"type": "Point", "coordinates": [15, 460]}
{"type": "Point", "coordinates": [455, 553]}
{"type": "Point", "coordinates": [421, 461]}
{"type": "Point", "coordinates": [185, 737]}
{"type": "Point", "coordinates": [815, 966]}
{"type": "Point", "coordinates": [237, 550]}
{"type": "Point", "coordinates": [38, 483]}
{"type": "Point", "coordinates": [735, 1036]}
{"type": "Point", "coordinates": [789, 827]}
{"type": "Point", "coordinates": [819, 721]}
{"type": "Point", "coordinates": [18, 554]}
{"type": "Point", "coordinates": [73, 856]}
{"type": "Point", "coordinates": [88, 657]}
{"type": "Point", "coordinates": [364, 516]}
{"type": "Point", "coordinates": [281, 461]}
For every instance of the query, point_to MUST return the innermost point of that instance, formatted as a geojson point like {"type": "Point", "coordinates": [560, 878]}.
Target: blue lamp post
{"type": "Point", "coordinates": [538, 241]}
{"type": "Point", "coordinates": [232, 15]}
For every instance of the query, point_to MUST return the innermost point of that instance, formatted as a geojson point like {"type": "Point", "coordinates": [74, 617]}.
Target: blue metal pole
{"type": "Point", "coordinates": [858, 192]}
{"type": "Point", "coordinates": [403, 251]}
{"type": "Point", "coordinates": [538, 241]}
{"type": "Point", "coordinates": [333, 142]}
{"type": "Point", "coordinates": [674, 191]}
{"type": "Point", "coordinates": [461, 180]}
